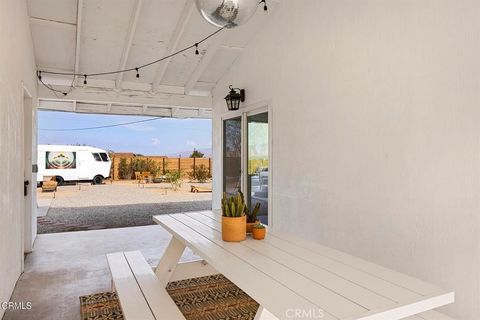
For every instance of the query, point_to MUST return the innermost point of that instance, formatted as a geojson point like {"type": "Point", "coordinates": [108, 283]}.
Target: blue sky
{"type": "Point", "coordinates": [159, 137]}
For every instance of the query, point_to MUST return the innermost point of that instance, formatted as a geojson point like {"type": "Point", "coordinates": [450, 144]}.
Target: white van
{"type": "Point", "coordinates": [73, 163]}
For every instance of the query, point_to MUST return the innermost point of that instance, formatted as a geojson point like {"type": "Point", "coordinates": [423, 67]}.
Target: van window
{"type": "Point", "coordinates": [104, 156]}
{"type": "Point", "coordinates": [97, 157]}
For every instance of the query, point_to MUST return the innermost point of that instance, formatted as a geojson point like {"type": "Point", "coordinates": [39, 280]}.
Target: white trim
{"type": "Point", "coordinates": [103, 96]}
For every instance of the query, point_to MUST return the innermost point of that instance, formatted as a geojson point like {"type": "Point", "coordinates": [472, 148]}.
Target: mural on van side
{"type": "Point", "coordinates": [61, 160]}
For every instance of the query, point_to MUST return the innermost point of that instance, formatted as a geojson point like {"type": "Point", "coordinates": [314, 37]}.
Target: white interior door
{"type": "Point", "coordinates": [29, 177]}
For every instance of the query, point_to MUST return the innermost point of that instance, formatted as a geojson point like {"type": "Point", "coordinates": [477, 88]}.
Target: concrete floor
{"type": "Point", "coordinates": [64, 266]}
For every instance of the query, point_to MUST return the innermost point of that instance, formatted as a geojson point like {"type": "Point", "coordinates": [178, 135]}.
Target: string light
{"type": "Point", "coordinates": [125, 70]}
{"type": "Point", "coordinates": [265, 8]}
{"type": "Point", "coordinates": [74, 75]}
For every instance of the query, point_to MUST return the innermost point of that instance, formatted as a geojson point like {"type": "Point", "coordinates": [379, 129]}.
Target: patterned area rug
{"type": "Point", "coordinates": [100, 306]}
{"type": "Point", "coordinates": [206, 298]}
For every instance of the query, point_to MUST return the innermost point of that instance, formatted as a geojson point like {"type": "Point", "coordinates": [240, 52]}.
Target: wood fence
{"type": "Point", "coordinates": [185, 166]}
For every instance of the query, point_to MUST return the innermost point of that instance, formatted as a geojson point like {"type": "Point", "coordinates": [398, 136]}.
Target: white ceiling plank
{"type": "Point", "coordinates": [232, 47]}
{"type": "Point", "coordinates": [45, 68]}
{"type": "Point", "coordinates": [207, 58]}
{"type": "Point", "coordinates": [97, 95]}
{"type": "Point", "coordinates": [174, 41]}
{"type": "Point", "coordinates": [78, 35]}
{"type": "Point", "coordinates": [57, 24]}
{"type": "Point", "coordinates": [130, 35]}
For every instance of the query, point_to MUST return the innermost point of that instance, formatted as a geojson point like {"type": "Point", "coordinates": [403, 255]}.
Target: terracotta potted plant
{"type": "Point", "coordinates": [252, 217]}
{"type": "Point", "coordinates": [234, 221]}
{"type": "Point", "coordinates": [259, 231]}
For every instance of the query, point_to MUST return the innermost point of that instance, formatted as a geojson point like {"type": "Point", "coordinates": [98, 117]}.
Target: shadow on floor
{"type": "Point", "coordinates": [65, 219]}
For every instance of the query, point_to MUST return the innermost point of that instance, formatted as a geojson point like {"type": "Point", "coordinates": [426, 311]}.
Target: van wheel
{"type": "Point", "coordinates": [98, 180]}
{"type": "Point", "coordinates": [59, 180]}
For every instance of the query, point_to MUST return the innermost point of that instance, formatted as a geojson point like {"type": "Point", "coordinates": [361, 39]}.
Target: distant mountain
{"type": "Point", "coordinates": [185, 154]}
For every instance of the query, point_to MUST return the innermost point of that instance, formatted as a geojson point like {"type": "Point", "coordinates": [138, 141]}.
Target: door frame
{"type": "Point", "coordinates": [28, 201]}
{"type": "Point", "coordinates": [264, 106]}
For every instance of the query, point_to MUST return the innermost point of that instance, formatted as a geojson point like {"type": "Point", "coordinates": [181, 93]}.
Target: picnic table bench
{"type": "Point", "coordinates": [292, 278]}
{"type": "Point", "coordinates": [197, 189]}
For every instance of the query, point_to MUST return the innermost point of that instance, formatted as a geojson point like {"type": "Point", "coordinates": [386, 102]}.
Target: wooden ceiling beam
{"type": "Point", "coordinates": [129, 41]}
{"type": "Point", "coordinates": [173, 43]}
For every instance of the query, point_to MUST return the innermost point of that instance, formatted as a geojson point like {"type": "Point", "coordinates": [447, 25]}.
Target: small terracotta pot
{"type": "Point", "coordinates": [259, 233]}
{"type": "Point", "coordinates": [234, 228]}
{"type": "Point", "coordinates": [250, 226]}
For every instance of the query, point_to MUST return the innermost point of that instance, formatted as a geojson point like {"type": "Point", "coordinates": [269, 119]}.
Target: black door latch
{"type": "Point", "coordinates": [25, 187]}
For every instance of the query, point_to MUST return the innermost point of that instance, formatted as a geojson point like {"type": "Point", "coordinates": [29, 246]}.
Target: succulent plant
{"type": "Point", "coordinates": [259, 226]}
{"type": "Point", "coordinates": [252, 215]}
{"type": "Point", "coordinates": [233, 206]}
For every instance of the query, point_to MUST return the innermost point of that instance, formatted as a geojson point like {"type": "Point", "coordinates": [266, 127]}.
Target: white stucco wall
{"type": "Point", "coordinates": [16, 66]}
{"type": "Point", "coordinates": [376, 110]}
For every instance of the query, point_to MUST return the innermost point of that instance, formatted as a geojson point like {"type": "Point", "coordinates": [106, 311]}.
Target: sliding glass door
{"type": "Point", "coordinates": [232, 155]}
{"type": "Point", "coordinates": [246, 160]}
{"type": "Point", "coordinates": [257, 163]}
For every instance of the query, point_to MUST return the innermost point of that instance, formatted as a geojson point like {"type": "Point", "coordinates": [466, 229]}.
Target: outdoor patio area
{"type": "Point", "coordinates": [115, 205]}
{"type": "Point", "coordinates": [65, 266]}
{"type": "Point", "coordinates": [328, 154]}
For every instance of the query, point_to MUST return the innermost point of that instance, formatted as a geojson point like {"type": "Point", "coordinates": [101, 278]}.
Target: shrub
{"type": "Point", "coordinates": [145, 165]}
{"type": "Point", "coordinates": [199, 173]}
{"type": "Point", "coordinates": [124, 170]}
{"type": "Point", "coordinates": [202, 174]}
{"type": "Point", "coordinates": [175, 179]}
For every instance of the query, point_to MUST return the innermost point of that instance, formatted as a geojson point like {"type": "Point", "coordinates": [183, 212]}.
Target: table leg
{"type": "Point", "coordinates": [168, 262]}
{"type": "Point", "coordinates": [264, 314]}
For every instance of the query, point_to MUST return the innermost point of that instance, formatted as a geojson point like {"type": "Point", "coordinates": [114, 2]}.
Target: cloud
{"type": "Point", "coordinates": [191, 143]}
{"type": "Point", "coordinates": [155, 141]}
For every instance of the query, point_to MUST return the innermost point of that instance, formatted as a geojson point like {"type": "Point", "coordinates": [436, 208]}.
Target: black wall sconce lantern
{"type": "Point", "coordinates": [234, 97]}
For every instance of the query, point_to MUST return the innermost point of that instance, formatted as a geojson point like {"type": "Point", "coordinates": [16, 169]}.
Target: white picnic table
{"type": "Point", "coordinates": [292, 278]}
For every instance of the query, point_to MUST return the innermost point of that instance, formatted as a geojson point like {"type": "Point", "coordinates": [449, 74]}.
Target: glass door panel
{"type": "Point", "coordinates": [258, 163]}
{"type": "Point", "coordinates": [232, 155]}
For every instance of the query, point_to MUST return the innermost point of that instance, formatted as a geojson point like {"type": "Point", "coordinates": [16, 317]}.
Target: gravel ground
{"type": "Point", "coordinates": [116, 205]}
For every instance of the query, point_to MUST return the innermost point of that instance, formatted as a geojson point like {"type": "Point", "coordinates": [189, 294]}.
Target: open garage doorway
{"type": "Point", "coordinates": [111, 171]}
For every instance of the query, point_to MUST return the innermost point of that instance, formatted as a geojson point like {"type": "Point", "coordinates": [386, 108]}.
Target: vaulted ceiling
{"type": "Point", "coordinates": [89, 36]}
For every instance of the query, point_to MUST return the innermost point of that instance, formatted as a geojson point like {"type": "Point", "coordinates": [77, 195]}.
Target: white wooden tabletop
{"type": "Point", "coordinates": [297, 279]}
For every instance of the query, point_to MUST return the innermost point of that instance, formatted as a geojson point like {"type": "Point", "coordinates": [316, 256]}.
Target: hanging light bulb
{"type": "Point", "coordinates": [196, 49]}
{"type": "Point", "coordinates": [227, 13]}
{"type": "Point", "coordinates": [85, 79]}
{"type": "Point", "coordinates": [265, 7]}
{"type": "Point", "coordinates": [138, 74]}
